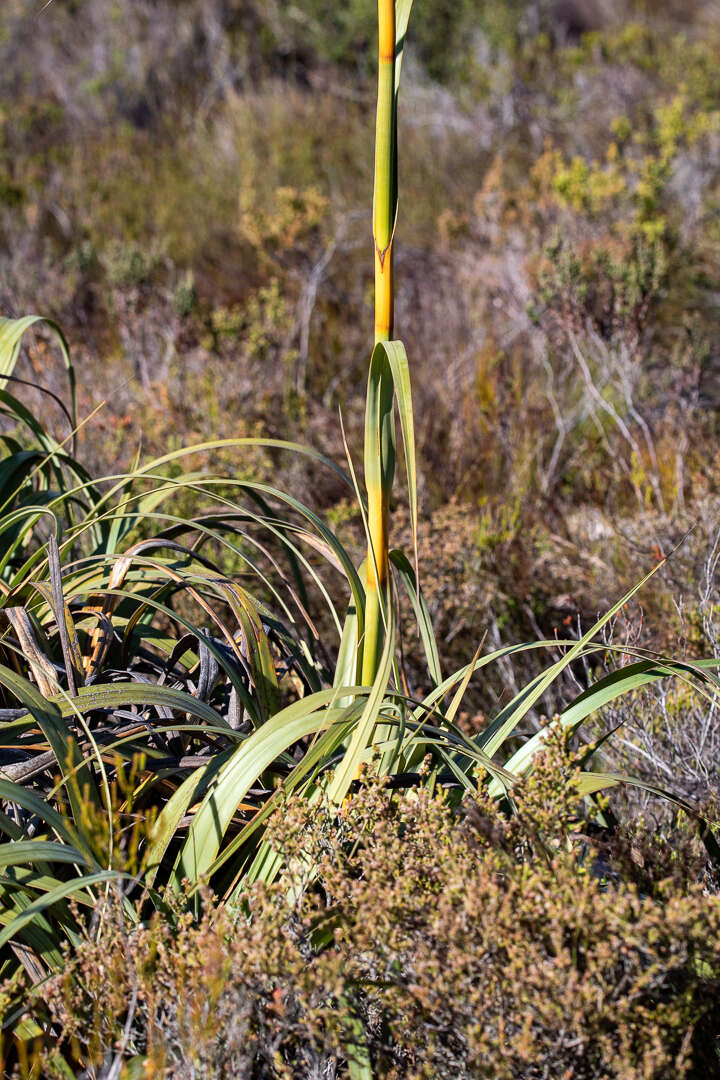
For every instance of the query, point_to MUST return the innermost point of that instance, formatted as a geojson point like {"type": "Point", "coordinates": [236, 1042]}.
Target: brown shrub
{"type": "Point", "coordinates": [444, 946]}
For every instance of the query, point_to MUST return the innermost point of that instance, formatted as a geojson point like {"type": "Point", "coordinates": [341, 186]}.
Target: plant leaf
{"type": "Point", "coordinates": [11, 334]}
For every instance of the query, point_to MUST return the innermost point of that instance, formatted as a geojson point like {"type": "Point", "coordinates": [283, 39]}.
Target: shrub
{"type": "Point", "coordinates": [427, 946]}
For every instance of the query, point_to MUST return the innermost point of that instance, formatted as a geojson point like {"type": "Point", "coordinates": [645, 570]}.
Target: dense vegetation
{"type": "Point", "coordinates": [186, 189]}
{"type": "Point", "coordinates": [199, 674]}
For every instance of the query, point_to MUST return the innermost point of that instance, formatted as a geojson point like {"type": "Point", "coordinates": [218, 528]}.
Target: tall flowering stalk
{"type": "Point", "coordinates": [379, 423]}
{"type": "Point", "coordinates": [385, 193]}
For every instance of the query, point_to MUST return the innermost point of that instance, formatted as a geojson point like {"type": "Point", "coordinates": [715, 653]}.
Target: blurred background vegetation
{"type": "Point", "coordinates": [184, 186]}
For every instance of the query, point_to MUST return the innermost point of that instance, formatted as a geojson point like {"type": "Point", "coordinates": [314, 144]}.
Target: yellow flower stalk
{"type": "Point", "coordinates": [379, 430]}
{"type": "Point", "coordinates": [384, 202]}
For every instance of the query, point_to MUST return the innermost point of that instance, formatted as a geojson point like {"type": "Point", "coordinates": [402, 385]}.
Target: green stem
{"type": "Point", "coordinates": [379, 431]}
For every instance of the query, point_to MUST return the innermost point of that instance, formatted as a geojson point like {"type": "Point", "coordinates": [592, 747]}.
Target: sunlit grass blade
{"type": "Point", "coordinates": [400, 370]}
{"type": "Point", "coordinates": [590, 783]}
{"type": "Point", "coordinates": [11, 335]}
{"type": "Point", "coordinates": [28, 852]}
{"type": "Point", "coordinates": [368, 724]}
{"type": "Point", "coordinates": [346, 666]}
{"type": "Point", "coordinates": [247, 763]}
{"type": "Point", "coordinates": [34, 804]}
{"type": "Point", "coordinates": [187, 794]}
{"type": "Point", "coordinates": [615, 685]}
{"type": "Point", "coordinates": [407, 576]}
{"type": "Point", "coordinates": [379, 472]}
{"type": "Point", "coordinates": [493, 738]}
{"type": "Point", "coordinates": [61, 892]}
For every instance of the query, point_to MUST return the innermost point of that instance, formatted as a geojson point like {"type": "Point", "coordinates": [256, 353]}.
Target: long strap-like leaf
{"type": "Point", "coordinates": [493, 738]}
{"type": "Point", "coordinates": [11, 334]}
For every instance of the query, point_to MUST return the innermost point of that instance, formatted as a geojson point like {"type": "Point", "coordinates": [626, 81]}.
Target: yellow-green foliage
{"type": "Point", "coordinates": [637, 166]}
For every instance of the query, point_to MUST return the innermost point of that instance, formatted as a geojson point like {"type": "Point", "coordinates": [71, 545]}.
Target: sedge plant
{"type": "Point", "coordinates": [142, 678]}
